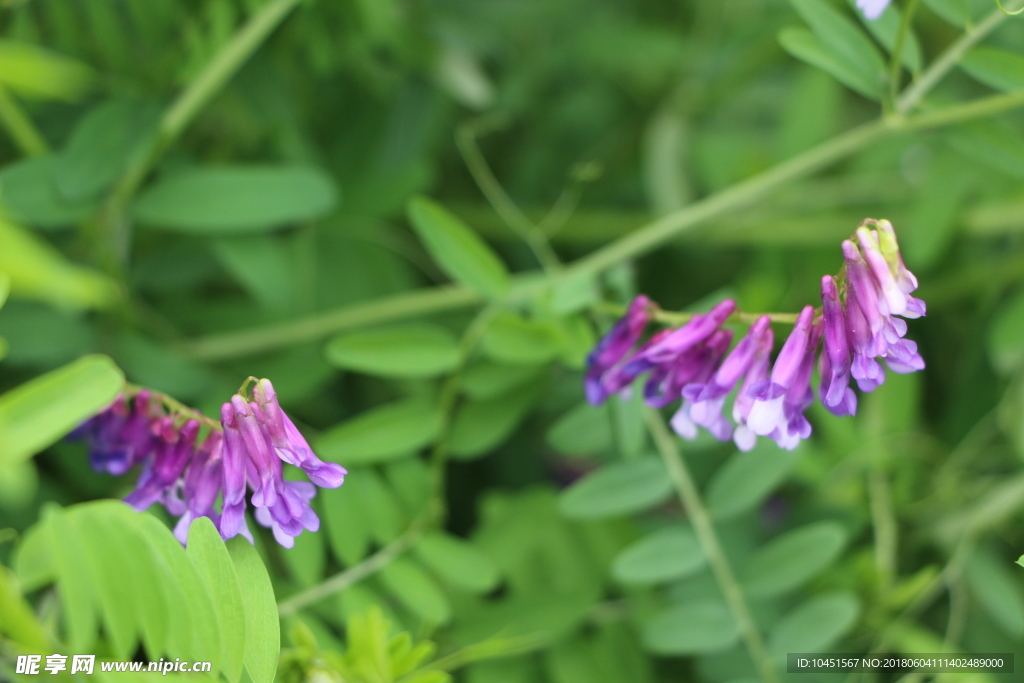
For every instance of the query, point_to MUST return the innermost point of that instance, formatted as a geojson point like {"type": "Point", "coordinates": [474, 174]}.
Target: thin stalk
{"type": "Point", "coordinates": [680, 317]}
{"type": "Point", "coordinates": [948, 59]}
{"type": "Point", "coordinates": [690, 497]}
{"type": "Point", "coordinates": [895, 66]}
{"type": "Point", "coordinates": [643, 240]}
{"type": "Point", "coordinates": [356, 573]}
{"type": "Point", "coordinates": [20, 127]}
{"type": "Point", "coordinates": [886, 530]}
{"type": "Point", "coordinates": [180, 113]}
{"type": "Point", "coordinates": [513, 216]}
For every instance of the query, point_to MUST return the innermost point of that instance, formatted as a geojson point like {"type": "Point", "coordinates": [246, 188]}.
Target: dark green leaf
{"type": "Point", "coordinates": [488, 380]}
{"type": "Point", "coordinates": [510, 338]}
{"type": "Point", "coordinates": [815, 625]}
{"type": "Point", "coordinates": [584, 429]}
{"type": "Point", "coordinates": [347, 526]}
{"type": "Point", "coordinates": [384, 433]}
{"type": "Point", "coordinates": [996, 586]}
{"type": "Point", "coordinates": [458, 562]}
{"type": "Point", "coordinates": [690, 628]}
{"type": "Point", "coordinates": [792, 559]}
{"type": "Point", "coordinates": [29, 192]}
{"type": "Point", "coordinates": [885, 29]}
{"type": "Point", "coordinates": [1006, 335]}
{"type": "Point", "coordinates": [481, 426]}
{"type": "Point", "coordinates": [809, 48]}
{"type": "Point", "coordinates": [618, 489]}
{"type": "Point", "coordinates": [236, 199]}
{"type": "Point", "coordinates": [407, 351]}
{"type": "Point", "coordinates": [665, 555]}
{"type": "Point", "coordinates": [746, 479]}
{"type": "Point", "coordinates": [995, 68]}
{"type": "Point", "coordinates": [458, 250]}
{"type": "Point", "coordinates": [416, 591]}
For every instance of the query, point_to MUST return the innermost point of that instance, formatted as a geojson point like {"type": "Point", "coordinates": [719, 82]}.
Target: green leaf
{"type": "Point", "coordinates": [809, 48]}
{"type": "Point", "coordinates": [36, 72]}
{"type": "Point", "coordinates": [815, 625]}
{"type": "Point", "coordinates": [458, 250]}
{"type": "Point", "coordinates": [414, 588]}
{"type": "Point", "coordinates": [384, 433]}
{"type": "Point", "coordinates": [992, 142]}
{"type": "Point", "coordinates": [665, 555]}
{"type": "Point", "coordinates": [262, 626]}
{"type": "Point", "coordinates": [792, 559]}
{"type": "Point", "coordinates": [618, 489]}
{"type": "Point", "coordinates": [80, 605]}
{"type": "Point", "coordinates": [102, 145]}
{"type": "Point", "coordinates": [213, 562]}
{"type": "Point", "coordinates": [457, 562]}
{"type": "Point", "coordinates": [1006, 335]}
{"type": "Point", "coordinates": [236, 199]}
{"type": "Point", "coordinates": [406, 351]}
{"type": "Point", "coordinates": [481, 426]}
{"type": "Point", "coordinates": [743, 482]}
{"type": "Point", "coordinates": [691, 628]}
{"type": "Point", "coordinates": [37, 413]}
{"type": "Point", "coordinates": [412, 481]}
{"type": "Point", "coordinates": [842, 37]}
{"type": "Point", "coordinates": [486, 380]}
{"type": "Point", "coordinates": [110, 576]}
{"type": "Point", "coordinates": [378, 503]}
{"type": "Point", "coordinates": [584, 429]}
{"type": "Point", "coordinates": [995, 68]}
{"type": "Point", "coordinates": [886, 28]}
{"type": "Point", "coordinates": [17, 620]}
{"type": "Point", "coordinates": [997, 590]}
{"type": "Point", "coordinates": [38, 271]}
{"type": "Point", "coordinates": [574, 292]}
{"type": "Point", "coordinates": [261, 264]}
{"type": "Point", "coordinates": [347, 528]}
{"type": "Point", "coordinates": [510, 338]}
{"type": "Point", "coordinates": [954, 12]}
{"type": "Point", "coordinates": [29, 192]}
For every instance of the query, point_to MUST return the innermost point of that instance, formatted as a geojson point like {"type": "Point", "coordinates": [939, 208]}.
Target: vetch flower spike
{"type": "Point", "coordinates": [613, 347]}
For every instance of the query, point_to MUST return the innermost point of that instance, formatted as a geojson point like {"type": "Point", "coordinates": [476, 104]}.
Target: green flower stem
{"type": "Point", "coordinates": [174, 406]}
{"type": "Point", "coordinates": [176, 118]}
{"type": "Point", "coordinates": [895, 66]}
{"type": "Point", "coordinates": [948, 59]}
{"type": "Point", "coordinates": [678, 318]}
{"type": "Point", "coordinates": [643, 240]}
{"type": "Point", "coordinates": [690, 497]}
{"type": "Point", "coordinates": [20, 127]}
{"type": "Point", "coordinates": [357, 573]}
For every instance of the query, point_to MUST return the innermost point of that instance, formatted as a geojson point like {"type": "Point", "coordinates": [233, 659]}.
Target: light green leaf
{"type": "Point", "coordinates": [405, 351]}
{"type": "Point", "coordinates": [510, 338]}
{"type": "Point", "coordinates": [37, 413]}
{"type": "Point", "coordinates": [384, 433]}
{"type": "Point", "coordinates": [809, 48]}
{"type": "Point", "coordinates": [954, 12]}
{"type": "Point", "coordinates": [996, 68]}
{"type": "Point", "coordinates": [29, 192]}
{"type": "Point", "coordinates": [574, 292]}
{"type": "Point", "coordinates": [38, 271]}
{"type": "Point", "coordinates": [458, 250]}
{"type": "Point", "coordinates": [17, 620]}
{"type": "Point", "coordinates": [379, 504]}
{"type": "Point", "coordinates": [998, 591]}
{"type": "Point", "coordinates": [792, 559]}
{"type": "Point", "coordinates": [102, 145]}
{"type": "Point", "coordinates": [1006, 335]}
{"type": "Point", "coordinates": [617, 489]}
{"type": "Point", "coordinates": [584, 429]}
{"type": "Point", "coordinates": [691, 628]}
{"type": "Point", "coordinates": [665, 555]}
{"type": "Point", "coordinates": [109, 574]}
{"type": "Point", "coordinates": [80, 605]}
{"type": "Point", "coordinates": [747, 478]}
{"type": "Point", "coordinates": [481, 426]}
{"type": "Point", "coordinates": [36, 72]}
{"type": "Point", "coordinates": [457, 562]}
{"type": "Point", "coordinates": [262, 626]}
{"type": "Point", "coordinates": [842, 37]}
{"type": "Point", "coordinates": [815, 625]}
{"type": "Point", "coordinates": [236, 199]}
{"type": "Point", "coordinates": [414, 588]}
{"type": "Point", "coordinates": [213, 562]}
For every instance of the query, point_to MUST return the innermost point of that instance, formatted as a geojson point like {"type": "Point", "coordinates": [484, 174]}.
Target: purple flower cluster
{"type": "Point", "coordinates": [255, 438]}
{"type": "Point", "coordinates": [858, 323]}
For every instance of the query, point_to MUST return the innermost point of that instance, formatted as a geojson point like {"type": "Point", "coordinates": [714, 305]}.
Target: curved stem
{"type": "Point", "coordinates": [897, 50]}
{"type": "Point", "coordinates": [680, 317]}
{"type": "Point", "coordinates": [948, 59]}
{"type": "Point", "coordinates": [690, 497]}
{"type": "Point", "coordinates": [175, 406]}
{"type": "Point", "coordinates": [20, 127]}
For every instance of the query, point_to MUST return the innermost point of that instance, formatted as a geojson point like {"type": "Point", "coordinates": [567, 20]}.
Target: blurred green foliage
{"type": "Point", "coordinates": [204, 190]}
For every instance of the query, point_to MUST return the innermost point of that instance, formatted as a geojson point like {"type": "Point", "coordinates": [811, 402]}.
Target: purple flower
{"type": "Point", "coordinates": [835, 391]}
{"type": "Point", "coordinates": [872, 8]}
{"type": "Point", "coordinates": [120, 436]}
{"type": "Point", "coordinates": [232, 519]}
{"type": "Point", "coordinates": [165, 466]}
{"type": "Point", "coordinates": [799, 397]}
{"type": "Point", "coordinates": [699, 365]}
{"type": "Point", "coordinates": [743, 436]}
{"type": "Point", "coordinates": [767, 415]}
{"type": "Point", "coordinates": [613, 347]}
{"type": "Point", "coordinates": [708, 399]}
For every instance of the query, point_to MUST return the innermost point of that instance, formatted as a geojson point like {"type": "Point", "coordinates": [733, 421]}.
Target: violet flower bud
{"type": "Point", "coordinates": [767, 414]}
{"type": "Point", "coordinates": [613, 347]}
{"type": "Point", "coordinates": [836, 394]}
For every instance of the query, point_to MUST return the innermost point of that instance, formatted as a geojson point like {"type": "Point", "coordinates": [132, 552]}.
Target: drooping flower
{"type": "Point", "coordinates": [254, 440]}
{"type": "Point", "coordinates": [834, 364]}
{"type": "Point", "coordinates": [701, 364]}
{"type": "Point", "coordinates": [613, 347]}
{"type": "Point", "coordinates": [872, 8]}
{"type": "Point", "coordinates": [767, 415]}
{"type": "Point", "coordinates": [743, 436]}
